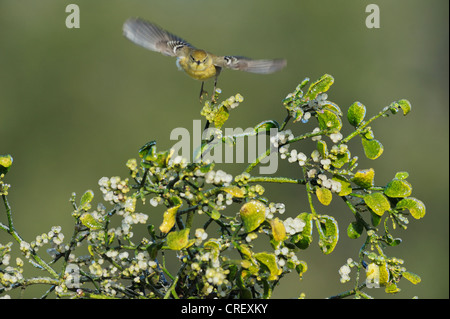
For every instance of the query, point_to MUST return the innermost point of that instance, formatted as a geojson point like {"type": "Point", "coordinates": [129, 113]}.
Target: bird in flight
{"type": "Point", "coordinates": [198, 64]}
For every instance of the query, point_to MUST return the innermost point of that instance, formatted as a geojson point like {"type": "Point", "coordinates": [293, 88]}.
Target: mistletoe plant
{"type": "Point", "coordinates": [212, 219]}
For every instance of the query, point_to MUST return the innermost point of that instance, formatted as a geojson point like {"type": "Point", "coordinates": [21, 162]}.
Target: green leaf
{"type": "Point", "coordinates": [90, 222]}
{"type": "Point", "coordinates": [378, 273]}
{"type": "Point", "coordinates": [401, 175]}
{"type": "Point", "coordinates": [320, 86]}
{"type": "Point", "coordinates": [297, 114]}
{"type": "Point", "coordinates": [376, 219]}
{"type": "Point", "coordinates": [328, 233]}
{"type": "Point", "coordinates": [356, 113]}
{"type": "Point", "coordinates": [252, 214]}
{"type": "Point", "coordinates": [391, 288]}
{"type": "Point", "coordinates": [163, 158]}
{"type": "Point", "coordinates": [364, 178]}
{"type": "Point", "coordinates": [175, 201]}
{"type": "Point", "coordinates": [341, 159]}
{"type": "Point", "coordinates": [154, 248]}
{"type": "Point", "coordinates": [324, 195]}
{"type": "Point", "coordinates": [5, 163]}
{"type": "Point", "coordinates": [398, 188]}
{"type": "Point", "coordinates": [329, 120]}
{"type": "Point", "coordinates": [206, 168]}
{"type": "Point", "coordinates": [322, 148]}
{"type": "Point", "coordinates": [355, 229]}
{"type": "Point", "coordinates": [215, 214]}
{"type": "Point", "coordinates": [377, 202]}
{"type": "Point", "coordinates": [333, 107]}
{"type": "Point", "coordinates": [303, 239]}
{"type": "Point", "coordinates": [345, 185]}
{"type": "Point", "coordinates": [391, 241]}
{"type": "Point", "coordinates": [405, 106]}
{"type": "Point", "coordinates": [411, 277]}
{"type": "Point", "coordinates": [178, 240]}
{"type": "Point", "coordinates": [372, 148]}
{"type": "Point", "coordinates": [269, 260]}
{"type": "Point", "coordinates": [86, 199]}
{"type": "Point", "coordinates": [267, 125]}
{"type": "Point", "coordinates": [402, 104]}
{"type": "Point", "coordinates": [416, 207]}
{"type": "Point", "coordinates": [301, 268]}
{"type": "Point", "coordinates": [148, 151]}
{"type": "Point", "coordinates": [368, 133]}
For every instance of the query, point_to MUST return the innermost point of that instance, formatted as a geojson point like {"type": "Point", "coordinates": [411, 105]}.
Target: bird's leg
{"type": "Point", "coordinates": [202, 92]}
{"type": "Point", "coordinates": [213, 98]}
{"type": "Point", "coordinates": [214, 93]}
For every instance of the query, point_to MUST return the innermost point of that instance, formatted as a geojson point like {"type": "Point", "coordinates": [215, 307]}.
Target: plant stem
{"type": "Point", "coordinates": [268, 179]}
{"type": "Point", "coordinates": [363, 126]}
{"type": "Point", "coordinates": [348, 293]}
{"type": "Point", "coordinates": [308, 192]}
{"type": "Point", "coordinates": [12, 231]}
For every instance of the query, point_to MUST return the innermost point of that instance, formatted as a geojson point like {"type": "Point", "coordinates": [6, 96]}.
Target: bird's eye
{"type": "Point", "coordinates": [192, 58]}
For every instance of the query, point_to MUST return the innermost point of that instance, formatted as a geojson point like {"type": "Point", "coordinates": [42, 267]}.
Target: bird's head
{"type": "Point", "coordinates": [199, 60]}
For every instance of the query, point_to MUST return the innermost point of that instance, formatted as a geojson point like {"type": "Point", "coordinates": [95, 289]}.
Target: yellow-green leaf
{"type": "Point", "coordinates": [377, 202]}
{"type": "Point", "coordinates": [345, 185]}
{"type": "Point", "coordinates": [178, 240]}
{"type": "Point", "coordinates": [384, 274]}
{"type": "Point", "coordinates": [324, 195]}
{"type": "Point", "coordinates": [341, 159]}
{"type": "Point", "coordinates": [328, 233]}
{"type": "Point", "coordinates": [5, 163]}
{"type": "Point", "coordinates": [303, 239]}
{"type": "Point", "coordinates": [269, 260]}
{"type": "Point", "coordinates": [364, 178]}
{"type": "Point", "coordinates": [235, 191]}
{"type": "Point", "coordinates": [90, 222]}
{"type": "Point", "coordinates": [86, 199]}
{"type": "Point", "coordinates": [403, 104]}
{"type": "Point", "coordinates": [301, 268]}
{"type": "Point", "coordinates": [322, 148]}
{"type": "Point", "coordinates": [278, 229]}
{"type": "Point", "coordinates": [391, 288]}
{"type": "Point", "coordinates": [333, 107]}
{"type": "Point", "coordinates": [252, 214]}
{"type": "Point", "coordinates": [377, 274]}
{"type": "Point", "coordinates": [356, 113]}
{"type": "Point", "coordinates": [372, 148]}
{"type": "Point", "coordinates": [416, 207]}
{"type": "Point", "coordinates": [320, 86]}
{"type": "Point", "coordinates": [398, 188]}
{"type": "Point", "coordinates": [215, 214]}
{"type": "Point", "coordinates": [329, 120]}
{"type": "Point", "coordinates": [169, 219]}
{"type": "Point", "coordinates": [401, 175]}
{"type": "Point", "coordinates": [411, 277]}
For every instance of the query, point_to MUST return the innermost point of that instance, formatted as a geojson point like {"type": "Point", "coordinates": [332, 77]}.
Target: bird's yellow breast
{"type": "Point", "coordinates": [198, 71]}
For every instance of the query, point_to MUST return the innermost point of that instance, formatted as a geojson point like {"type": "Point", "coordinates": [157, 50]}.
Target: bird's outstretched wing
{"type": "Point", "coordinates": [152, 37]}
{"type": "Point", "coordinates": [249, 65]}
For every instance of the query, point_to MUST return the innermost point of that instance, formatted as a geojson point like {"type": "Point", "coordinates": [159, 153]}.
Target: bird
{"type": "Point", "coordinates": [197, 63]}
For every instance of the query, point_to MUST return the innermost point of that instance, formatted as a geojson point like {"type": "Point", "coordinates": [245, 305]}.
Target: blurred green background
{"type": "Point", "coordinates": [75, 104]}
